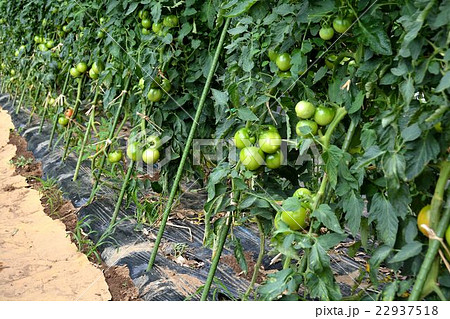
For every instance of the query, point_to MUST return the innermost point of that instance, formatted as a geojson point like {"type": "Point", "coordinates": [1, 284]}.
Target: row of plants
{"type": "Point", "coordinates": [338, 113]}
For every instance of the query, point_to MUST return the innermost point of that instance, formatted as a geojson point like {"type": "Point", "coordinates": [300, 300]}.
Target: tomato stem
{"type": "Point", "coordinates": [86, 134]}
{"type": "Point", "coordinates": [34, 103]}
{"type": "Point", "coordinates": [110, 137]}
{"type": "Point", "coordinates": [212, 270]}
{"type": "Point", "coordinates": [438, 196]}
{"type": "Point", "coordinates": [262, 244]}
{"type": "Point", "coordinates": [55, 120]}
{"type": "Point", "coordinates": [74, 115]}
{"type": "Point", "coordinates": [188, 145]}
{"type": "Point", "coordinates": [431, 253]}
{"type": "Point", "coordinates": [121, 195]}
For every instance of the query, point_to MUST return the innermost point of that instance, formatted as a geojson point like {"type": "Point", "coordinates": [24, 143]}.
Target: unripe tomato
{"type": "Point", "coordinates": [98, 67]}
{"type": "Point", "coordinates": [100, 34]}
{"type": "Point", "coordinates": [141, 83]}
{"type": "Point", "coordinates": [296, 220]}
{"type": "Point", "coordinates": [251, 157]}
{"type": "Point", "coordinates": [283, 61]}
{"type": "Point", "coordinates": [305, 109]}
{"type": "Point", "coordinates": [150, 155]}
{"type": "Point", "coordinates": [273, 55]}
{"type": "Point", "coordinates": [66, 29]}
{"type": "Point", "coordinates": [16, 53]}
{"type": "Point", "coordinates": [36, 38]}
{"type": "Point", "coordinates": [324, 115]}
{"type": "Point", "coordinates": [273, 161]}
{"type": "Point", "coordinates": [68, 113]}
{"type": "Point", "coordinates": [42, 47]}
{"type": "Point", "coordinates": [424, 219]}
{"type": "Point", "coordinates": [63, 121]}
{"type": "Point", "coordinates": [74, 72]}
{"type": "Point", "coordinates": [166, 86]}
{"type": "Point", "coordinates": [302, 192]}
{"type": "Point", "coordinates": [154, 95]}
{"type": "Point", "coordinates": [145, 31]}
{"type": "Point", "coordinates": [306, 123]}
{"type": "Point", "coordinates": [102, 20]}
{"type": "Point", "coordinates": [146, 23]}
{"type": "Point", "coordinates": [50, 44]}
{"type": "Point", "coordinates": [51, 101]}
{"type": "Point", "coordinates": [447, 235]}
{"type": "Point", "coordinates": [170, 21]}
{"type": "Point", "coordinates": [341, 24]}
{"type": "Point", "coordinates": [242, 138]}
{"type": "Point", "coordinates": [134, 152]}
{"type": "Point", "coordinates": [81, 67]}
{"type": "Point", "coordinates": [115, 156]}
{"type": "Point", "coordinates": [269, 141]}
{"type": "Point", "coordinates": [143, 14]}
{"type": "Point", "coordinates": [154, 141]}
{"type": "Point", "coordinates": [12, 72]}
{"type": "Point", "coordinates": [92, 74]}
{"type": "Point", "coordinates": [156, 27]}
{"type": "Point", "coordinates": [326, 33]}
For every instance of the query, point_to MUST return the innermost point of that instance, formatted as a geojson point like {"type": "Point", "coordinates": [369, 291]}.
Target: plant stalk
{"type": "Point", "coordinates": [121, 195]}
{"type": "Point", "coordinates": [74, 115]}
{"type": "Point", "coordinates": [188, 144]}
{"type": "Point", "coordinates": [55, 120]}
{"type": "Point", "coordinates": [262, 244]}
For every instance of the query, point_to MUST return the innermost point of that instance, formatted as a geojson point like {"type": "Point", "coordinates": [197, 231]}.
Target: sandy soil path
{"type": "Point", "coordinates": [37, 259]}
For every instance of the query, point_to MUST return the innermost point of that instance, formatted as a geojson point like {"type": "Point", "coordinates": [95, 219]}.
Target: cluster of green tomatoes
{"type": "Point", "coordinates": [160, 28]}
{"type": "Point", "coordinates": [268, 149]}
{"type": "Point", "coordinates": [149, 152]}
{"type": "Point", "coordinates": [311, 117]}
{"type": "Point", "coordinates": [42, 44]}
{"type": "Point", "coordinates": [81, 67]}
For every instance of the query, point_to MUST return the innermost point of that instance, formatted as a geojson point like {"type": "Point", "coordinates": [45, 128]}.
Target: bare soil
{"type": "Point", "coordinates": [117, 278]}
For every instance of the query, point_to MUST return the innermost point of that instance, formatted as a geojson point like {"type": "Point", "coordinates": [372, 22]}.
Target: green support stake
{"type": "Point", "coordinates": [121, 195]}
{"type": "Point", "coordinates": [110, 137]}
{"type": "Point", "coordinates": [75, 111]}
{"type": "Point", "coordinates": [188, 145]}
{"type": "Point", "coordinates": [86, 135]}
{"type": "Point", "coordinates": [20, 100]}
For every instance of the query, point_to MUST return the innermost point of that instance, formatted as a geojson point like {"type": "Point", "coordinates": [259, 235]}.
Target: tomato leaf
{"type": "Point", "coordinates": [409, 250]}
{"type": "Point", "coordinates": [374, 35]}
{"type": "Point", "coordinates": [419, 153]}
{"type": "Point", "coordinates": [239, 255]}
{"type": "Point", "coordinates": [246, 115]}
{"type": "Point", "coordinates": [353, 207]}
{"type": "Point", "coordinates": [383, 213]}
{"type": "Point", "coordinates": [444, 83]}
{"type": "Point", "coordinates": [323, 286]}
{"type": "Point", "coordinates": [241, 7]}
{"type": "Point", "coordinates": [327, 217]}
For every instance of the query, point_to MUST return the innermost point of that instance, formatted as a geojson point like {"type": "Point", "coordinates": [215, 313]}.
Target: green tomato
{"type": "Point", "coordinates": [170, 21]}
{"type": "Point", "coordinates": [36, 38]}
{"type": "Point", "coordinates": [302, 192]}
{"type": "Point", "coordinates": [50, 44]}
{"type": "Point", "coordinates": [296, 220]}
{"type": "Point", "coordinates": [141, 83]}
{"type": "Point", "coordinates": [326, 33]}
{"type": "Point", "coordinates": [134, 152]}
{"type": "Point", "coordinates": [92, 74]}
{"type": "Point", "coordinates": [251, 157]}
{"type": "Point", "coordinates": [154, 95]}
{"type": "Point", "coordinates": [81, 67]}
{"type": "Point", "coordinates": [154, 142]}
{"type": "Point", "coordinates": [16, 53]}
{"type": "Point", "coordinates": [150, 155]}
{"type": "Point", "coordinates": [74, 72]}
{"type": "Point", "coordinates": [65, 29]}
{"type": "Point", "coordinates": [145, 31]}
{"type": "Point", "coordinates": [166, 86]}
{"type": "Point", "coordinates": [100, 34]}
{"type": "Point", "coordinates": [285, 74]}
{"type": "Point", "coordinates": [330, 60]}
{"type": "Point", "coordinates": [269, 141]}
{"type": "Point", "coordinates": [341, 24]}
{"type": "Point", "coordinates": [102, 20]}
{"type": "Point", "coordinates": [273, 55]}
{"type": "Point", "coordinates": [98, 67]}
{"type": "Point", "coordinates": [146, 23]}
{"type": "Point", "coordinates": [305, 109]}
{"type": "Point", "coordinates": [63, 121]}
{"type": "Point", "coordinates": [447, 235]}
{"type": "Point", "coordinates": [324, 115]}
{"type": "Point", "coordinates": [115, 156]}
{"type": "Point", "coordinates": [423, 218]}
{"type": "Point", "coordinates": [156, 27]}
{"type": "Point", "coordinates": [306, 123]}
{"type": "Point", "coordinates": [42, 47]}
{"type": "Point", "coordinates": [283, 61]}
{"type": "Point", "coordinates": [242, 138]}
{"type": "Point", "coordinates": [273, 161]}
{"type": "Point", "coordinates": [143, 14]}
